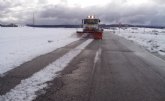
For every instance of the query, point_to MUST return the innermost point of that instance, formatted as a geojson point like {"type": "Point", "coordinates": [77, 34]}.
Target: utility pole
{"type": "Point", "coordinates": [33, 19]}
{"type": "Point", "coordinates": [119, 26]}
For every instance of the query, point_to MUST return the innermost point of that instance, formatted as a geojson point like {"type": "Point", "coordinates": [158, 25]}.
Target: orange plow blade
{"type": "Point", "coordinates": [95, 35]}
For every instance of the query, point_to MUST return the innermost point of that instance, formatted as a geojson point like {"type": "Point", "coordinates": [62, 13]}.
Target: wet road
{"type": "Point", "coordinates": [123, 71]}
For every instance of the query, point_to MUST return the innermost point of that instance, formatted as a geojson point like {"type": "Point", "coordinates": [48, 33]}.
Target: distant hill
{"type": "Point", "coordinates": [129, 25]}
{"type": "Point", "coordinates": [102, 25]}
{"type": "Point", "coordinates": [9, 25]}
{"type": "Point", "coordinates": [56, 26]}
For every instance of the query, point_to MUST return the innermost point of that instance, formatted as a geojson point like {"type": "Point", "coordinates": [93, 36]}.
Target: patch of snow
{"type": "Point", "coordinates": [97, 57]}
{"type": "Point", "coordinates": [26, 90]}
{"type": "Point", "coordinates": [19, 45]}
{"type": "Point", "coordinates": [98, 53]}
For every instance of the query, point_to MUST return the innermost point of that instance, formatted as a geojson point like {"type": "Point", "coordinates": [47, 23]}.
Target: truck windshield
{"type": "Point", "coordinates": [91, 21]}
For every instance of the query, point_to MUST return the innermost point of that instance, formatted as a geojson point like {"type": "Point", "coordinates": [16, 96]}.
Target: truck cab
{"type": "Point", "coordinates": [90, 24]}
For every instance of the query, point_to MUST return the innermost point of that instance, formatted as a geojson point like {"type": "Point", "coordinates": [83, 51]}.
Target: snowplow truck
{"type": "Point", "coordinates": [91, 28]}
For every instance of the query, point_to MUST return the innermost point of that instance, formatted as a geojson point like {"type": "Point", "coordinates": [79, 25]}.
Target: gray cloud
{"type": "Point", "coordinates": [114, 12]}
{"type": "Point", "coordinates": [159, 1]}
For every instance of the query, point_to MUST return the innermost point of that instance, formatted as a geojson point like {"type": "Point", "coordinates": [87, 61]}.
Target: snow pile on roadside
{"type": "Point", "coordinates": [19, 45]}
{"type": "Point", "coordinates": [152, 39]}
{"type": "Point", "coordinates": [26, 90]}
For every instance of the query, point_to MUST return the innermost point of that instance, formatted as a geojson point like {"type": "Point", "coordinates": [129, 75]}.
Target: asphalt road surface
{"type": "Point", "coordinates": [112, 69]}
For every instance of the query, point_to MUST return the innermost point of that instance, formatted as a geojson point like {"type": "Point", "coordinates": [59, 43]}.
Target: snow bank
{"type": "Point", "coordinates": [19, 45]}
{"type": "Point", "coordinates": [26, 90]}
{"type": "Point", "coordinates": [152, 39]}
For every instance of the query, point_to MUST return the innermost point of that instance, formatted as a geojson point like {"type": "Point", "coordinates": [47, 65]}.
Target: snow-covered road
{"type": "Point", "coordinates": [121, 69]}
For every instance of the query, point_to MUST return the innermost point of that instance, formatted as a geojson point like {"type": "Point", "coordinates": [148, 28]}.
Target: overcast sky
{"type": "Point", "coordinates": [146, 12]}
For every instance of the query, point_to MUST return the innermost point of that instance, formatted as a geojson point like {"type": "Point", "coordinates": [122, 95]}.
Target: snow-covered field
{"type": "Point", "coordinates": [19, 45]}
{"type": "Point", "coordinates": [152, 39]}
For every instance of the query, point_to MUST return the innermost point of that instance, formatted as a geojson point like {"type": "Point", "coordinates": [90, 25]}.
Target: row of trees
{"type": "Point", "coordinates": [9, 25]}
